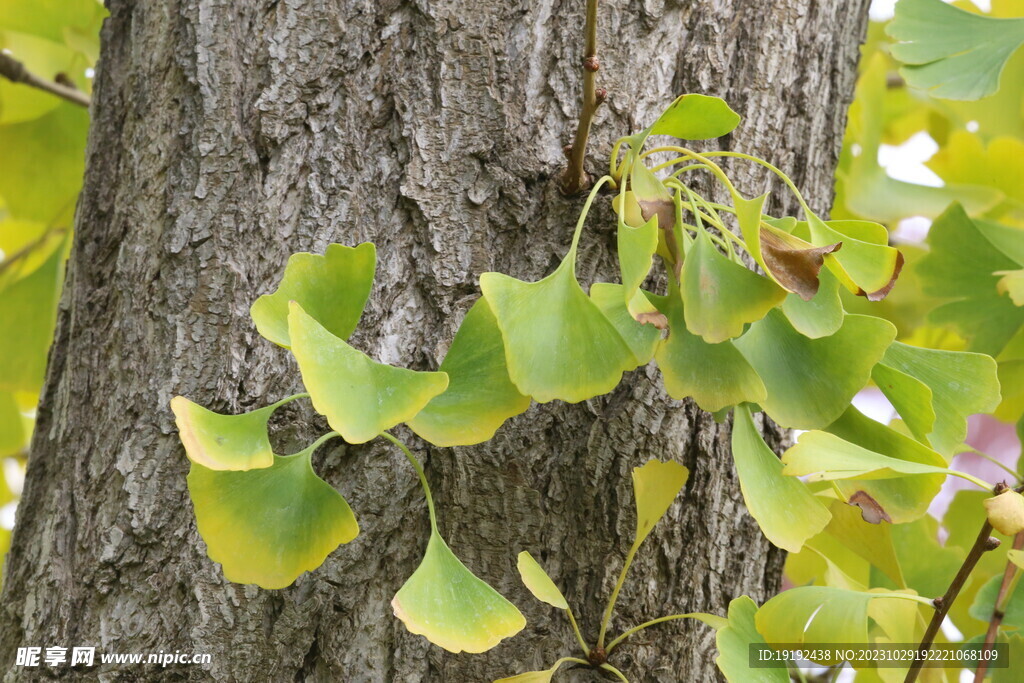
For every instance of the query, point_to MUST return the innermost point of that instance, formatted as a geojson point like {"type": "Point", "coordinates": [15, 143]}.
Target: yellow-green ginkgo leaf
{"type": "Point", "coordinates": [537, 676]}
{"type": "Point", "coordinates": [899, 499]}
{"type": "Point", "coordinates": [696, 117]}
{"type": "Point", "coordinates": [359, 397]}
{"type": "Point", "coordinates": [267, 526]}
{"type": "Point", "coordinates": [811, 381]}
{"type": "Point", "coordinates": [820, 316]}
{"type": "Point", "coordinates": [821, 456]}
{"type": "Point", "coordinates": [865, 267]}
{"type": "Point", "coordinates": [480, 396]}
{"type": "Point", "coordinates": [558, 344]}
{"type": "Point", "coordinates": [225, 442]}
{"type": "Point", "coordinates": [642, 337]}
{"type": "Point", "coordinates": [785, 509]}
{"type": "Point", "coordinates": [332, 288]}
{"type": "Point", "coordinates": [721, 296]}
{"type": "Point", "coordinates": [655, 485]}
{"type": "Point", "coordinates": [452, 608]}
{"type": "Point", "coordinates": [821, 614]}
{"type": "Point", "coordinates": [636, 246]}
{"type": "Point", "coordinates": [960, 384]}
{"type": "Point", "coordinates": [538, 581]}
{"type": "Point", "coordinates": [952, 53]}
{"type": "Point", "coordinates": [735, 641]}
{"type": "Point", "coordinates": [715, 375]}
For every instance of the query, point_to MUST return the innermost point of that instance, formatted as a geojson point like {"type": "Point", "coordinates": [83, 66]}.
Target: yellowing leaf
{"type": "Point", "coordinates": [655, 486]}
{"type": "Point", "coordinates": [538, 581]}
{"type": "Point", "coordinates": [696, 117]}
{"type": "Point", "coordinates": [267, 526]}
{"type": "Point", "coordinates": [480, 396]}
{"type": "Point", "coordinates": [332, 289]}
{"type": "Point", "coordinates": [359, 397]}
{"type": "Point", "coordinates": [535, 676]}
{"type": "Point", "coordinates": [448, 605]}
{"type": "Point", "coordinates": [785, 509]}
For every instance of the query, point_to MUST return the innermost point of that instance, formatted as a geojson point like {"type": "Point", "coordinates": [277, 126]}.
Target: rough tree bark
{"type": "Point", "coordinates": [228, 134]}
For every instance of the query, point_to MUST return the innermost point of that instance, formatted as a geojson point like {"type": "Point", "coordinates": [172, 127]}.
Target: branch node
{"type": "Point", "coordinates": [600, 96]}
{"type": "Point", "coordinates": [991, 543]}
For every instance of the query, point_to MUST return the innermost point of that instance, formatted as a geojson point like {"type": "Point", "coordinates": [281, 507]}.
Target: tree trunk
{"type": "Point", "coordinates": [227, 135]}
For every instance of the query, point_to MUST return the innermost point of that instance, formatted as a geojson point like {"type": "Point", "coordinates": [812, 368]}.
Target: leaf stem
{"type": "Point", "coordinates": [1010, 577]}
{"type": "Point", "coordinates": [641, 627]}
{"type": "Point", "coordinates": [583, 214]}
{"type": "Point", "coordinates": [615, 594]}
{"type": "Point", "coordinates": [994, 461]}
{"type": "Point", "coordinates": [575, 178]}
{"type": "Point", "coordinates": [421, 474]}
{"type": "Point", "coordinates": [982, 544]}
{"type": "Point", "coordinates": [576, 630]}
{"type": "Point", "coordinates": [289, 399]}
{"type": "Point", "coordinates": [16, 72]}
{"type": "Point", "coordinates": [621, 676]}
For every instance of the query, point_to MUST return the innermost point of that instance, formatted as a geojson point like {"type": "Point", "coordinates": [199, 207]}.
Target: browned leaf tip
{"type": "Point", "coordinates": [655, 318]}
{"type": "Point", "coordinates": [794, 266]}
{"type": "Point", "coordinates": [880, 294]}
{"type": "Point", "coordinates": [664, 209]}
{"type": "Point", "coordinates": [870, 510]}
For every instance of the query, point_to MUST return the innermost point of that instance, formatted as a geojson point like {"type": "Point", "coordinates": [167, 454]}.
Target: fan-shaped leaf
{"type": "Point", "coordinates": [359, 397]}
{"type": "Point", "coordinates": [641, 337]}
{"type": "Point", "coordinates": [734, 643]}
{"type": "Point", "coordinates": [267, 526]}
{"type": "Point", "coordinates": [811, 381]}
{"type": "Point", "coordinates": [480, 396]}
{"type": "Point", "coordinates": [866, 268]}
{"type": "Point", "coordinates": [820, 316]}
{"type": "Point", "coordinates": [655, 485]}
{"type": "Point", "coordinates": [696, 117]}
{"type": "Point", "coordinates": [785, 509]}
{"type": "Point", "coordinates": [452, 608]}
{"type": "Point", "coordinates": [558, 344]}
{"type": "Point", "coordinates": [332, 289]}
{"type": "Point", "coordinates": [538, 581]}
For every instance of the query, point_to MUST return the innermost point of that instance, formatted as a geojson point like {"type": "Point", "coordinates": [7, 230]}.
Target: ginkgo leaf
{"type": "Point", "coordinates": [267, 526]}
{"type": "Point", "coordinates": [448, 605]}
{"type": "Point", "coordinates": [811, 381]}
{"type": "Point", "coordinates": [642, 338]}
{"type": "Point", "coordinates": [1011, 283]}
{"type": "Point", "coordinates": [538, 581]}
{"type": "Point", "coordinates": [911, 398]}
{"type": "Point", "coordinates": [715, 375]}
{"type": "Point", "coordinates": [696, 117]}
{"type": "Point", "coordinates": [898, 500]}
{"type": "Point", "coordinates": [480, 396]}
{"type": "Point", "coordinates": [952, 53]}
{"type": "Point", "coordinates": [1013, 608]}
{"type": "Point", "coordinates": [785, 509]}
{"type": "Point", "coordinates": [821, 456]}
{"type": "Point", "coordinates": [961, 384]}
{"type": "Point", "coordinates": [359, 397]}
{"type": "Point", "coordinates": [655, 485]}
{"type": "Point", "coordinates": [820, 316]}
{"type": "Point", "coordinates": [225, 442]}
{"type": "Point", "coordinates": [866, 268]}
{"type": "Point", "coordinates": [332, 289]}
{"type": "Point", "coordinates": [721, 296]}
{"type": "Point", "coordinates": [735, 642]}
{"type": "Point", "coordinates": [536, 676]}
{"type": "Point", "coordinates": [637, 244]}
{"type": "Point", "coordinates": [558, 344]}
{"type": "Point", "coordinates": [1016, 556]}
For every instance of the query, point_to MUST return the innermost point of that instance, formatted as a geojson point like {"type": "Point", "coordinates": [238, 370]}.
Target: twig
{"type": "Point", "coordinates": [982, 544]}
{"type": "Point", "coordinates": [575, 179]}
{"type": "Point", "coordinates": [998, 608]}
{"type": "Point", "coordinates": [15, 71]}
{"type": "Point", "coordinates": [26, 250]}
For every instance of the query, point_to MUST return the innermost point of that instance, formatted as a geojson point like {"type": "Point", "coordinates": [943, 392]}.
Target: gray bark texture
{"type": "Point", "coordinates": [228, 134]}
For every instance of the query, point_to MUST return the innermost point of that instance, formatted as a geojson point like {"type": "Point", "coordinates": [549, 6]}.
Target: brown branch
{"type": "Point", "coordinates": [998, 608]}
{"type": "Point", "coordinates": [15, 71]}
{"type": "Point", "coordinates": [575, 179]}
{"type": "Point", "coordinates": [982, 544]}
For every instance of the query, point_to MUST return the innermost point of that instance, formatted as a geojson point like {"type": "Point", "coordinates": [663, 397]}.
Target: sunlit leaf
{"type": "Point", "coordinates": [734, 643]}
{"type": "Point", "coordinates": [965, 158]}
{"type": "Point", "coordinates": [961, 385]}
{"type": "Point", "coordinates": [715, 375]}
{"type": "Point", "coordinates": [359, 397]}
{"type": "Point", "coordinates": [224, 442]}
{"type": "Point", "coordinates": [787, 512]}
{"type": "Point", "coordinates": [927, 566]}
{"type": "Point", "coordinates": [873, 542]}
{"type": "Point", "coordinates": [811, 381]}
{"type": "Point", "coordinates": [822, 315]}
{"type": "Point", "coordinates": [480, 396]}
{"type": "Point", "coordinates": [866, 268]}
{"type": "Point", "coordinates": [452, 608]}
{"type": "Point", "coordinates": [267, 526]}
{"type": "Point", "coordinates": [641, 337]}
{"type": "Point", "coordinates": [911, 398]}
{"type": "Point", "coordinates": [1011, 283]}
{"type": "Point", "coordinates": [558, 344]}
{"type": "Point", "coordinates": [696, 117]}
{"type": "Point", "coordinates": [951, 53]}
{"type": "Point", "coordinates": [655, 485]}
{"type": "Point", "coordinates": [538, 581]}
{"type": "Point", "coordinates": [332, 289]}
{"type": "Point", "coordinates": [721, 296]}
